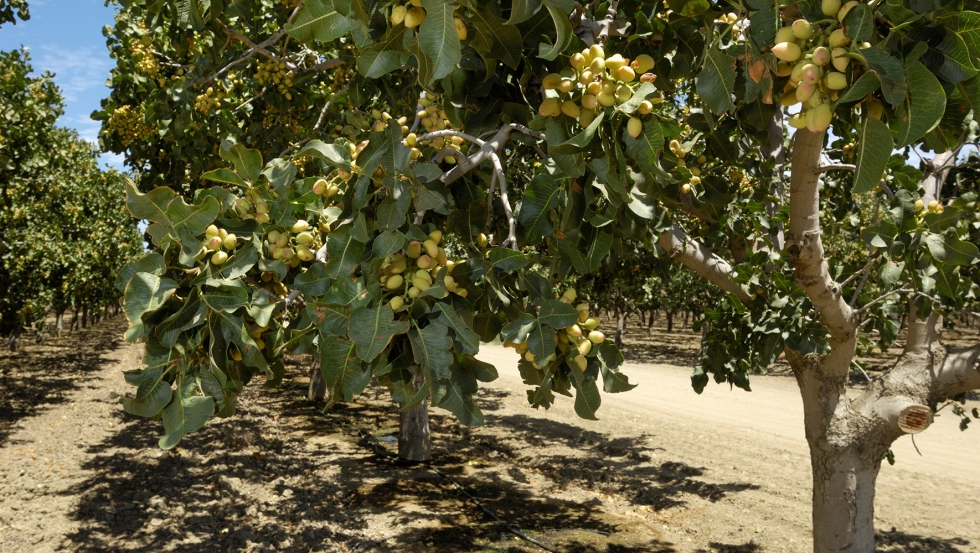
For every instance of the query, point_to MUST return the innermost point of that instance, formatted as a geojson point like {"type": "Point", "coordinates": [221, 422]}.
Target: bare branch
{"type": "Point", "coordinates": [450, 132]}
{"type": "Point", "coordinates": [253, 49]}
{"type": "Point", "coordinates": [804, 244]}
{"type": "Point", "coordinates": [689, 207]}
{"type": "Point", "coordinates": [700, 259]}
{"type": "Point", "coordinates": [250, 100]}
{"type": "Point", "coordinates": [834, 167]}
{"type": "Point", "coordinates": [418, 108]}
{"type": "Point", "coordinates": [871, 261]}
{"type": "Point", "coordinates": [498, 169]}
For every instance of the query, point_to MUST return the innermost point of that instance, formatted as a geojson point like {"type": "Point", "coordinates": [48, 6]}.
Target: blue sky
{"type": "Point", "coordinates": [65, 37]}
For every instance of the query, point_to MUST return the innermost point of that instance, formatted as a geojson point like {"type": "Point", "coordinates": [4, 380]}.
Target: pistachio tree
{"type": "Point", "coordinates": [63, 232]}
{"type": "Point", "coordinates": [387, 185]}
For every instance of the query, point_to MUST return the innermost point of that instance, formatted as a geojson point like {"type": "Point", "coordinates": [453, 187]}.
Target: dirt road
{"type": "Point", "coordinates": [663, 471]}
{"type": "Point", "coordinates": [757, 438]}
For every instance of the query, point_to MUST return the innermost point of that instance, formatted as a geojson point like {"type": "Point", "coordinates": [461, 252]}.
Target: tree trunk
{"type": "Point", "coordinates": [84, 316]}
{"type": "Point", "coordinates": [620, 325]}
{"type": "Point", "coordinates": [670, 321]}
{"type": "Point", "coordinates": [687, 318]}
{"type": "Point", "coordinates": [318, 386]}
{"type": "Point", "coordinates": [414, 440]}
{"type": "Point", "coordinates": [59, 323]}
{"type": "Point", "coordinates": [843, 500]}
{"type": "Point", "coordinates": [650, 323]}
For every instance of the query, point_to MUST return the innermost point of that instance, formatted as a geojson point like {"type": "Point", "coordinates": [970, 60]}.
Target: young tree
{"type": "Point", "coordinates": [511, 140]}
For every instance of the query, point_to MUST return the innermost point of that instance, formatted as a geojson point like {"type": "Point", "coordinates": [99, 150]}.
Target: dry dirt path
{"type": "Point", "coordinates": [663, 471]}
{"type": "Point", "coordinates": [924, 503]}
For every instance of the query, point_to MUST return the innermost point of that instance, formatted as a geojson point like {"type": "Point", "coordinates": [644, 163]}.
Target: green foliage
{"type": "Point", "coordinates": [63, 232]}
{"type": "Point", "coordinates": [12, 10]}
{"type": "Point", "coordinates": [332, 139]}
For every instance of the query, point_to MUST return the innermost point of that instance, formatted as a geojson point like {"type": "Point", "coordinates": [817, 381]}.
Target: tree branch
{"type": "Point", "coordinates": [834, 167]}
{"type": "Point", "coordinates": [700, 259]}
{"type": "Point", "coordinates": [804, 244]}
{"type": "Point", "coordinates": [882, 298]}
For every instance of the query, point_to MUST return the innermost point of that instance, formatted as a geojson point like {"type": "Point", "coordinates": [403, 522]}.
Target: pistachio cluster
{"type": "Point", "coordinates": [432, 117]}
{"type": "Point", "coordinates": [592, 82]}
{"type": "Point", "coordinates": [815, 58]}
{"type": "Point", "coordinates": [129, 125]}
{"type": "Point", "coordinates": [410, 272]}
{"type": "Point", "coordinates": [219, 241]}
{"type": "Point", "coordinates": [582, 335]}
{"type": "Point", "coordinates": [210, 100]}
{"type": "Point", "coordinates": [275, 73]}
{"type": "Point", "coordinates": [294, 245]}
{"type": "Point", "coordinates": [142, 51]}
{"type": "Point", "coordinates": [923, 208]}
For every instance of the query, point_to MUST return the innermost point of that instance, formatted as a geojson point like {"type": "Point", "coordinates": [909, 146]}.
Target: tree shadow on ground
{"type": "Point", "coordinates": [896, 541]}
{"type": "Point", "coordinates": [43, 375]}
{"type": "Point", "coordinates": [715, 547]}
{"type": "Point", "coordinates": [283, 476]}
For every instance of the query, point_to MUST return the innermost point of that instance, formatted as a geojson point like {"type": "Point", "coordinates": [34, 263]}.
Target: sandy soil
{"type": "Point", "coordinates": [664, 471]}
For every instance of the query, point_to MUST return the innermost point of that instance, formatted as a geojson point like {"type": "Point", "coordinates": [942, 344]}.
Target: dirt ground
{"type": "Point", "coordinates": [664, 471]}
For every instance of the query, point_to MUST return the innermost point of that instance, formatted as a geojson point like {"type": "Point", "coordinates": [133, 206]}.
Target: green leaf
{"type": "Point", "coordinates": [372, 329]}
{"type": "Point", "coordinates": [716, 81]}
{"type": "Point", "coordinates": [468, 339]}
{"type": "Point", "coordinates": [517, 330]}
{"type": "Point", "coordinates": [313, 281]}
{"type": "Point", "coordinates": [342, 371]}
{"type": "Point", "coordinates": [960, 252]}
{"type": "Point", "coordinates": [859, 23]}
{"type": "Point", "coordinates": [580, 142]}
{"type": "Point", "coordinates": [487, 326]}
{"type": "Point", "coordinates": [146, 293]}
{"type": "Point", "coordinates": [507, 260]}
{"type": "Point", "coordinates": [153, 393]}
{"type": "Point", "coordinates": [948, 282]}
{"type": "Point", "coordinates": [247, 162]}
{"type": "Point", "coordinates": [187, 412]}
{"type": "Point", "coordinates": [522, 10]}
{"type": "Point", "coordinates": [150, 263]}
{"type": "Point", "coordinates": [192, 313]}
{"type": "Point", "coordinates": [558, 314]}
{"type": "Point", "coordinates": [874, 143]}
{"type": "Point", "coordinates": [319, 20]}
{"type": "Point", "coordinates": [587, 399]}
{"type": "Point", "coordinates": [384, 56]}
{"type": "Point", "coordinates": [536, 207]}
{"type": "Point", "coordinates": [427, 172]}
{"type": "Point", "coordinates": [388, 243]}
{"type": "Point", "coordinates": [563, 32]}
{"type": "Point", "coordinates": [890, 72]}
{"type": "Point", "coordinates": [237, 265]}
{"type": "Point", "coordinates": [924, 105]}
{"type": "Point", "coordinates": [458, 400]}
{"type": "Point", "coordinates": [438, 40]}
{"type": "Point", "coordinates": [892, 271]}
{"type": "Point", "coordinates": [331, 153]}
{"type": "Point", "coordinates": [430, 348]}
{"type": "Point", "coordinates": [645, 149]}
{"type": "Point", "coordinates": [541, 343]}
{"type": "Point", "coordinates": [226, 176]}
{"type": "Point", "coordinates": [642, 92]}
{"type": "Point", "coordinates": [495, 39]}
{"type": "Point", "coordinates": [345, 253]}
{"type": "Point", "coordinates": [866, 84]}
{"type": "Point", "coordinates": [484, 372]}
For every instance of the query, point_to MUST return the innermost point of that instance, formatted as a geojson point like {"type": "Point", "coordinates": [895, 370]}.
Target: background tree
{"type": "Point", "coordinates": [63, 232]}
{"type": "Point", "coordinates": [535, 135]}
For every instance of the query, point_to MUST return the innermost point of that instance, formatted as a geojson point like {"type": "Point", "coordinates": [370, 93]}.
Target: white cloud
{"type": "Point", "coordinates": [77, 70]}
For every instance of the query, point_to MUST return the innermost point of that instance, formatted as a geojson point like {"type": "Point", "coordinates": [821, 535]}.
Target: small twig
{"type": "Point", "coordinates": [834, 167]}
{"type": "Point", "coordinates": [915, 446]}
{"type": "Point", "coordinates": [871, 262]}
{"type": "Point", "coordinates": [498, 168]}
{"type": "Point", "coordinates": [249, 101]}
{"type": "Point", "coordinates": [449, 132]}
{"type": "Point", "coordinates": [319, 121]}
{"type": "Point", "coordinates": [418, 108]}
{"type": "Point", "coordinates": [509, 528]}
{"type": "Point", "coordinates": [253, 49]}
{"type": "Point", "coordinates": [883, 297]}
